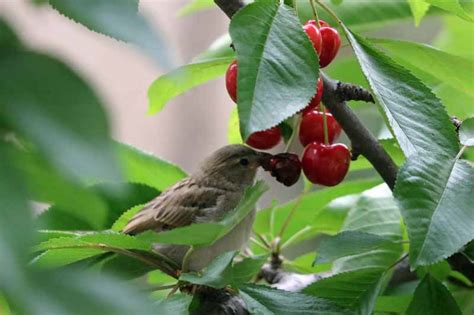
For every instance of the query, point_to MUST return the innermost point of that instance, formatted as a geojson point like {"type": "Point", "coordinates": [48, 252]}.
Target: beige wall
{"type": "Point", "coordinates": [190, 126]}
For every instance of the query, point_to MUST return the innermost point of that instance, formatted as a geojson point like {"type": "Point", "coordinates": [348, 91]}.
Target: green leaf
{"type": "Point", "coordinates": [100, 240]}
{"type": "Point", "coordinates": [452, 6]}
{"type": "Point", "coordinates": [183, 79]}
{"type": "Point", "coordinates": [456, 37]}
{"type": "Point", "coordinates": [215, 275]}
{"type": "Point", "coordinates": [119, 19]}
{"type": "Point", "coordinates": [355, 290]}
{"type": "Point", "coordinates": [393, 304]}
{"type": "Point", "coordinates": [195, 6]}
{"type": "Point", "coordinates": [310, 206]}
{"type": "Point", "coordinates": [452, 70]}
{"type": "Point", "coordinates": [418, 9]}
{"type": "Point", "coordinates": [432, 298]}
{"type": "Point", "coordinates": [123, 220]}
{"type": "Point", "coordinates": [360, 275]}
{"type": "Point", "coordinates": [349, 243]}
{"type": "Point", "coordinates": [202, 234]}
{"type": "Point", "coordinates": [244, 270]}
{"type": "Point", "coordinates": [64, 256]}
{"type": "Point", "coordinates": [263, 300]}
{"type": "Point", "coordinates": [276, 61]}
{"type": "Point", "coordinates": [8, 38]}
{"type": "Point", "coordinates": [466, 132]}
{"type": "Point", "coordinates": [84, 207]}
{"type": "Point", "coordinates": [416, 116]}
{"type": "Point", "coordinates": [176, 304]}
{"type": "Point", "coordinates": [49, 104]}
{"type": "Point", "coordinates": [219, 48]}
{"type": "Point", "coordinates": [144, 168]}
{"type": "Point", "coordinates": [233, 129]}
{"type": "Point", "coordinates": [435, 197]}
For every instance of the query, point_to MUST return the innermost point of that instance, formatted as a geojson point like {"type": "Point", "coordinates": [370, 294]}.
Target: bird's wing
{"type": "Point", "coordinates": [178, 206]}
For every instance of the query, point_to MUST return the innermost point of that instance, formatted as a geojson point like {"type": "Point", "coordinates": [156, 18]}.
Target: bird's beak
{"type": "Point", "coordinates": [264, 158]}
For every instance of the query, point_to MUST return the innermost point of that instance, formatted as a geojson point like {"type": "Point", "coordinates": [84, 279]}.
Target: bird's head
{"type": "Point", "coordinates": [236, 163]}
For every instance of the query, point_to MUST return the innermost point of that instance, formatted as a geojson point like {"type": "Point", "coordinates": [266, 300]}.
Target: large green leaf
{"type": "Point", "coordinates": [216, 274]}
{"type": "Point", "coordinates": [278, 66]}
{"type": "Point", "coordinates": [50, 105]}
{"type": "Point", "coordinates": [183, 79]}
{"type": "Point", "coordinates": [375, 220]}
{"type": "Point", "coordinates": [349, 243]}
{"type": "Point", "coordinates": [466, 132]}
{"type": "Point", "coordinates": [416, 116]}
{"type": "Point", "coordinates": [64, 256]}
{"type": "Point", "coordinates": [201, 234]}
{"type": "Point", "coordinates": [263, 300]}
{"type": "Point", "coordinates": [453, 71]}
{"type": "Point", "coordinates": [177, 304]}
{"type": "Point", "coordinates": [432, 298]}
{"type": "Point", "coordinates": [456, 37]}
{"type": "Point", "coordinates": [233, 128]}
{"type": "Point", "coordinates": [222, 272]}
{"type": "Point", "coordinates": [435, 197]}
{"type": "Point", "coordinates": [144, 168]}
{"type": "Point", "coordinates": [307, 210]}
{"type": "Point", "coordinates": [119, 19]}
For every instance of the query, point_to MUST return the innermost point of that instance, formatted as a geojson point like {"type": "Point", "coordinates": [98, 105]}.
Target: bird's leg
{"type": "Point", "coordinates": [185, 264]}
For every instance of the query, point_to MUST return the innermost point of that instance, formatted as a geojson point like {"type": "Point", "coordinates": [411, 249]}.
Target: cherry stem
{"type": "Point", "coordinates": [315, 13]}
{"type": "Point", "coordinates": [330, 11]}
{"type": "Point", "coordinates": [288, 219]}
{"type": "Point", "coordinates": [325, 124]}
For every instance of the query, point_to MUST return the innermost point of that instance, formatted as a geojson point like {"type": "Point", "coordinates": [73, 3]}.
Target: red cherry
{"type": "Point", "coordinates": [314, 103]}
{"type": "Point", "coordinates": [326, 164]}
{"type": "Point", "coordinates": [314, 36]}
{"type": "Point", "coordinates": [330, 45]}
{"type": "Point", "coordinates": [264, 140]}
{"type": "Point", "coordinates": [312, 128]}
{"type": "Point", "coordinates": [285, 167]}
{"type": "Point", "coordinates": [231, 80]}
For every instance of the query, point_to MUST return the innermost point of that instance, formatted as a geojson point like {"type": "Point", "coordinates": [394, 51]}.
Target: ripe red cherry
{"type": "Point", "coordinates": [231, 80]}
{"type": "Point", "coordinates": [331, 41]}
{"type": "Point", "coordinates": [285, 167]}
{"type": "Point", "coordinates": [312, 128]}
{"type": "Point", "coordinates": [264, 140]}
{"type": "Point", "coordinates": [326, 164]}
{"type": "Point", "coordinates": [314, 35]}
{"type": "Point", "coordinates": [314, 103]}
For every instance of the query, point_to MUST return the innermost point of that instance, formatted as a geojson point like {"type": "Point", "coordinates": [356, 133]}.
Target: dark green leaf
{"type": "Point", "coordinates": [360, 276]}
{"type": "Point", "coordinates": [207, 233]}
{"type": "Point", "coordinates": [416, 116]}
{"type": "Point", "coordinates": [435, 197]}
{"type": "Point", "coordinates": [276, 61]}
{"type": "Point", "coordinates": [216, 274]}
{"type": "Point", "coordinates": [393, 304]}
{"type": "Point", "coordinates": [64, 256]}
{"type": "Point", "coordinates": [264, 300]}
{"type": "Point", "coordinates": [177, 304]}
{"type": "Point", "coordinates": [49, 104]}
{"type": "Point", "coordinates": [8, 38]}
{"type": "Point", "coordinates": [349, 243]}
{"type": "Point", "coordinates": [183, 79]}
{"type": "Point", "coordinates": [123, 220]}
{"type": "Point", "coordinates": [119, 19]}
{"type": "Point", "coordinates": [243, 271]}
{"type": "Point", "coordinates": [466, 132]}
{"type": "Point", "coordinates": [432, 298]}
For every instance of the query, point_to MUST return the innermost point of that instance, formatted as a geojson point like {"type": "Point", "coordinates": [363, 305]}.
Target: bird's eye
{"type": "Point", "coordinates": [244, 162]}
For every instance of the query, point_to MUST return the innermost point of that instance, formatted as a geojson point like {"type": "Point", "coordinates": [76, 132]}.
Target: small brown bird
{"type": "Point", "coordinates": [205, 196]}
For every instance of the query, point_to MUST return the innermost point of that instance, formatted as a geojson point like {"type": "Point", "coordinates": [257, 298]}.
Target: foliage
{"type": "Point", "coordinates": [56, 148]}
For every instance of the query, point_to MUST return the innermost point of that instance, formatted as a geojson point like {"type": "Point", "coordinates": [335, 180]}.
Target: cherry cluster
{"type": "Point", "coordinates": [324, 162]}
